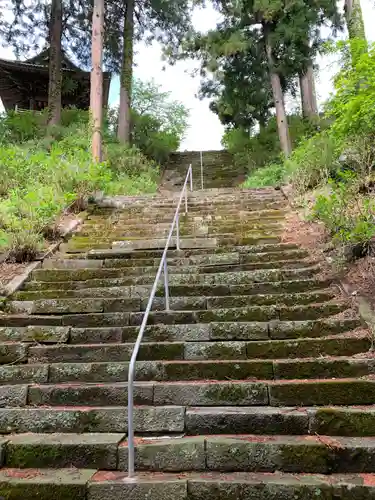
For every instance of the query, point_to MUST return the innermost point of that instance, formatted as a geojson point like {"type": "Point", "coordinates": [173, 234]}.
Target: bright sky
{"type": "Point", "coordinates": [205, 130]}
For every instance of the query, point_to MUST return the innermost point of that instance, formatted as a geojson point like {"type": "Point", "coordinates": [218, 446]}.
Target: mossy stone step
{"type": "Point", "coordinates": [148, 393]}
{"type": "Point", "coordinates": [228, 278]}
{"type": "Point", "coordinates": [45, 484]}
{"type": "Point", "coordinates": [180, 370]}
{"type": "Point", "coordinates": [35, 333]}
{"type": "Point", "coordinates": [306, 454]}
{"type": "Point", "coordinates": [202, 331]}
{"type": "Point", "coordinates": [115, 287]}
{"type": "Point", "coordinates": [105, 352]}
{"type": "Point", "coordinates": [255, 369]}
{"type": "Point", "coordinates": [105, 372]}
{"type": "Point", "coordinates": [322, 392]}
{"type": "Point", "coordinates": [251, 453]}
{"type": "Point", "coordinates": [79, 419]}
{"type": "Point", "coordinates": [86, 450]}
{"type": "Point", "coordinates": [154, 229]}
{"type": "Point", "coordinates": [100, 273]}
{"type": "Point", "coordinates": [344, 421]}
{"type": "Point", "coordinates": [186, 220]}
{"type": "Point", "coordinates": [189, 303]}
{"type": "Point", "coordinates": [157, 253]}
{"type": "Point", "coordinates": [213, 259]}
{"type": "Point", "coordinates": [76, 246]}
{"type": "Point", "coordinates": [231, 486]}
{"type": "Point", "coordinates": [339, 345]}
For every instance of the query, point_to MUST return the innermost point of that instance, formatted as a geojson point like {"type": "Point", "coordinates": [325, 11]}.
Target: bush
{"type": "Point", "coordinates": [349, 216]}
{"type": "Point", "coordinates": [313, 162]}
{"type": "Point", "coordinates": [271, 175]}
{"type": "Point", "coordinates": [255, 151]}
{"type": "Point", "coordinates": [17, 128]}
{"type": "Point", "coordinates": [39, 183]}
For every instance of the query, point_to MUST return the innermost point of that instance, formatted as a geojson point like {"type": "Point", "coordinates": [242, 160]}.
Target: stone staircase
{"type": "Point", "coordinates": [218, 170]}
{"type": "Point", "coordinates": [258, 385]}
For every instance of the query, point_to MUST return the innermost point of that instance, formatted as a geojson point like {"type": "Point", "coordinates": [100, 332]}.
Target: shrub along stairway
{"type": "Point", "coordinates": [257, 385]}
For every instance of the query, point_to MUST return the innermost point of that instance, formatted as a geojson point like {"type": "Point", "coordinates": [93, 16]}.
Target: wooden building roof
{"type": "Point", "coordinates": [21, 81]}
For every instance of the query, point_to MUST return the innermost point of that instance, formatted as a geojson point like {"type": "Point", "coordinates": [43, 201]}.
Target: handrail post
{"type": "Point", "coordinates": [201, 169]}
{"type": "Point", "coordinates": [131, 452]}
{"type": "Point", "coordinates": [178, 232]}
{"type": "Point", "coordinates": [166, 285]}
{"type": "Point", "coordinates": [191, 177]}
{"type": "Point", "coordinates": [186, 205]}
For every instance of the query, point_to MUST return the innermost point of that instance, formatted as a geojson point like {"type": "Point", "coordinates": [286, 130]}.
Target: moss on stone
{"type": "Point", "coordinates": [343, 422]}
{"type": "Point", "coordinates": [308, 458]}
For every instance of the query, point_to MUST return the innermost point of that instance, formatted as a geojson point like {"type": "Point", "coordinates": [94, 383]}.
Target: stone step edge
{"type": "Point", "coordinates": [279, 265]}
{"type": "Point", "coordinates": [173, 453]}
{"type": "Point", "coordinates": [104, 304]}
{"type": "Point", "coordinates": [238, 393]}
{"type": "Point", "coordinates": [98, 485]}
{"type": "Point", "coordinates": [317, 283]}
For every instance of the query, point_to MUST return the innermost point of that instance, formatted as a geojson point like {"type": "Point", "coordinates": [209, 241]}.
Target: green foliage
{"type": "Point", "coordinates": [271, 175]}
{"type": "Point", "coordinates": [263, 148]}
{"type": "Point", "coordinates": [347, 214]}
{"type": "Point", "coordinates": [352, 106]}
{"type": "Point", "coordinates": [21, 127]}
{"type": "Point", "coordinates": [159, 122]}
{"type": "Point", "coordinates": [313, 162]}
{"type": "Point", "coordinates": [42, 177]}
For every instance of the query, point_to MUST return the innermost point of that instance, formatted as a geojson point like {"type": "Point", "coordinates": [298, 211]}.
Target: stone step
{"type": "Point", "coordinates": [132, 232]}
{"type": "Point", "coordinates": [229, 278]}
{"type": "Point", "coordinates": [157, 253]}
{"type": "Point", "coordinates": [228, 206]}
{"type": "Point", "coordinates": [189, 303]}
{"type": "Point", "coordinates": [196, 393]}
{"type": "Point", "coordinates": [115, 287]}
{"type": "Point", "coordinates": [265, 369]}
{"type": "Point", "coordinates": [186, 220]}
{"type": "Point", "coordinates": [357, 421]}
{"type": "Point", "coordinates": [105, 216]}
{"type": "Point", "coordinates": [86, 244]}
{"type": "Point", "coordinates": [45, 484]}
{"type": "Point", "coordinates": [79, 419]}
{"type": "Point", "coordinates": [118, 272]}
{"type": "Point", "coordinates": [339, 345]}
{"type": "Point", "coordinates": [199, 332]}
{"type": "Point", "coordinates": [331, 420]}
{"type": "Point", "coordinates": [143, 242]}
{"type": "Point", "coordinates": [214, 259]}
{"type": "Point", "coordinates": [85, 450]}
{"type": "Point", "coordinates": [241, 314]}
{"type": "Point", "coordinates": [250, 453]}
{"type": "Point", "coordinates": [234, 486]}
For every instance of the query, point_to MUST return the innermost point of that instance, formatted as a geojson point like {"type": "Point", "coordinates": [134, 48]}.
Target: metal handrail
{"type": "Point", "coordinates": [162, 268]}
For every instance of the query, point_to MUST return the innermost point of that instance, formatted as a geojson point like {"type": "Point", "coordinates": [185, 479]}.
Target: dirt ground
{"type": "Point", "coordinates": [358, 276]}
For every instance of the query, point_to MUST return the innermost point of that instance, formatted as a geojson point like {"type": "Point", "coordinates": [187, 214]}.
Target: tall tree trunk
{"type": "Point", "coordinates": [356, 27]}
{"type": "Point", "coordinates": [124, 119]}
{"type": "Point", "coordinates": [55, 76]}
{"type": "Point", "coordinates": [282, 122]}
{"type": "Point", "coordinates": [308, 95]}
{"type": "Point", "coordinates": [96, 90]}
